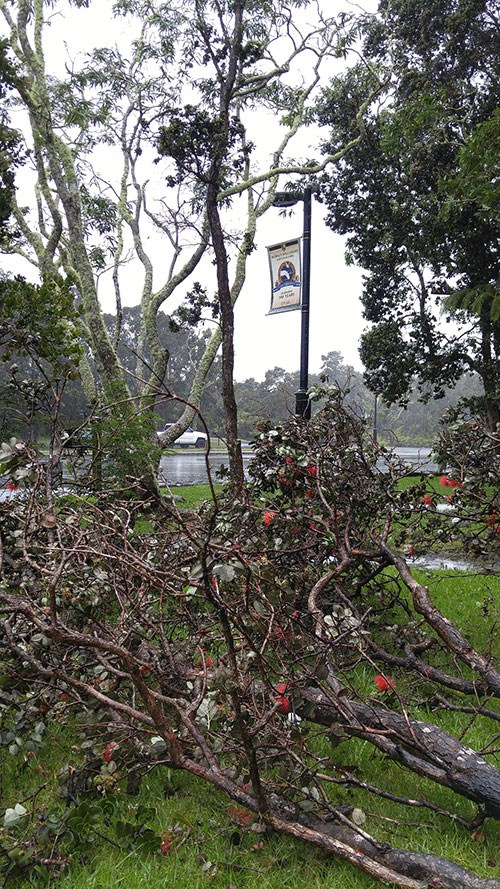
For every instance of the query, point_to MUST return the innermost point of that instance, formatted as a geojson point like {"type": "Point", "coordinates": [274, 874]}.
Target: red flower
{"type": "Point", "coordinates": [312, 470]}
{"type": "Point", "coordinates": [209, 662]}
{"type": "Point", "coordinates": [310, 493]}
{"type": "Point", "coordinates": [11, 486]}
{"type": "Point", "coordinates": [447, 482]}
{"type": "Point", "coordinates": [107, 753]}
{"type": "Point", "coordinates": [427, 499]}
{"type": "Point", "coordinates": [289, 461]}
{"type": "Point", "coordinates": [268, 517]}
{"type": "Point", "coordinates": [167, 843]}
{"type": "Point", "coordinates": [63, 696]}
{"type": "Point", "coordinates": [284, 705]}
{"type": "Point", "coordinates": [384, 683]}
{"type": "Point", "coordinates": [281, 635]}
{"type": "Point", "coordinates": [240, 815]}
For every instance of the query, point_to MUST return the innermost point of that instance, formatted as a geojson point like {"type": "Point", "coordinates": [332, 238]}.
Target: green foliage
{"type": "Point", "coordinates": [419, 233]}
{"type": "Point", "coordinates": [390, 365]}
{"type": "Point", "coordinates": [40, 352]}
{"type": "Point", "coordinates": [10, 141]}
{"type": "Point", "coordinates": [477, 179]}
{"type": "Point", "coordinates": [190, 313]}
{"type": "Point", "coordinates": [73, 831]}
{"type": "Point", "coordinates": [194, 137]}
{"type": "Point", "coordinates": [41, 322]}
{"type": "Point", "coordinates": [124, 447]}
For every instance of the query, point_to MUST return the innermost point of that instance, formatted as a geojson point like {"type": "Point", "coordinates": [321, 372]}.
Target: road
{"type": "Point", "coordinates": [189, 468]}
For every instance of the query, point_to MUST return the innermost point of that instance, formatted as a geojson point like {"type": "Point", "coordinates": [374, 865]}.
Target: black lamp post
{"type": "Point", "coordinates": [289, 199]}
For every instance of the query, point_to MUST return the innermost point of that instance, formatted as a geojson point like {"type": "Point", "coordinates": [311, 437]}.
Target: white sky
{"type": "Point", "coordinates": [261, 342]}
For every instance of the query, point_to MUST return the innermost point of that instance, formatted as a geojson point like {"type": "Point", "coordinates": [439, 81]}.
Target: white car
{"type": "Point", "coordinates": [189, 437]}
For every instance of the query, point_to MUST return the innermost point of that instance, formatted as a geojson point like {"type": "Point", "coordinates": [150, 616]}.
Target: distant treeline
{"type": "Point", "coordinates": [259, 401]}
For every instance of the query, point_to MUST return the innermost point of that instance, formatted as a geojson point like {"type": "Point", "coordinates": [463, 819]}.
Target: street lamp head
{"type": "Point", "coordinates": [284, 199]}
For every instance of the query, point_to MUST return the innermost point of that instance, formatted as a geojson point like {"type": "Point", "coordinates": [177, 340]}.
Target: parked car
{"type": "Point", "coordinates": [189, 437]}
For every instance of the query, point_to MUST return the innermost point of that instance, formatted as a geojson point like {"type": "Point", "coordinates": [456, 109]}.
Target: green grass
{"type": "Point", "coordinates": [191, 496]}
{"type": "Point", "coordinates": [186, 497]}
{"type": "Point", "coordinates": [209, 855]}
{"type": "Point", "coordinates": [211, 851]}
{"type": "Point", "coordinates": [471, 600]}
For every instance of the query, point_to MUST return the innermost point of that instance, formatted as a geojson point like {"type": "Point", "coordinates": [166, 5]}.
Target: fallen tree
{"type": "Point", "coordinates": [250, 643]}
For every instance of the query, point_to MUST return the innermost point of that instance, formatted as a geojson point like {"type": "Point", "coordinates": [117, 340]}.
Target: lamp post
{"type": "Point", "coordinates": [289, 199]}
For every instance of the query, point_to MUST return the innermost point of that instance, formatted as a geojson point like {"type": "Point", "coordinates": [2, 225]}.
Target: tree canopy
{"type": "Point", "coordinates": [10, 153]}
{"type": "Point", "coordinates": [412, 196]}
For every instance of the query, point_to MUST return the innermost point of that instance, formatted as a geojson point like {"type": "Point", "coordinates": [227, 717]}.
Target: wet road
{"type": "Point", "coordinates": [419, 458]}
{"type": "Point", "coordinates": [190, 468]}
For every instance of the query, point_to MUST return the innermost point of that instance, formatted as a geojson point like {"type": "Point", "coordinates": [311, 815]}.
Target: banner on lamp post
{"type": "Point", "coordinates": [285, 266]}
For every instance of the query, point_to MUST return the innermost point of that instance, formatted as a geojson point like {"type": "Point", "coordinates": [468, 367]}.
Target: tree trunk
{"type": "Point", "coordinates": [227, 323]}
{"type": "Point", "coordinates": [421, 747]}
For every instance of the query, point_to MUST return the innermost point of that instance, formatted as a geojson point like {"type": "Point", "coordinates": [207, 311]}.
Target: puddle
{"type": "Point", "coordinates": [454, 563]}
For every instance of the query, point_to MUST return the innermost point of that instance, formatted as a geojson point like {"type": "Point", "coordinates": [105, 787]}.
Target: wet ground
{"type": "Point", "coordinates": [190, 466]}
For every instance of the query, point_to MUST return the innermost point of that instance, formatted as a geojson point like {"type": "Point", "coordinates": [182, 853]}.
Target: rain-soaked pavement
{"type": "Point", "coordinates": [190, 467]}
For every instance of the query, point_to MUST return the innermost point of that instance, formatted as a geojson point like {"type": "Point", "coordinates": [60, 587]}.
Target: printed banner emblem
{"type": "Point", "coordinates": [285, 266]}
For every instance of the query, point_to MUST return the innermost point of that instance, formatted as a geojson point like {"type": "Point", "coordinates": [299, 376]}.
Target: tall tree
{"type": "Point", "coordinates": [90, 218]}
{"type": "Point", "coordinates": [430, 251]}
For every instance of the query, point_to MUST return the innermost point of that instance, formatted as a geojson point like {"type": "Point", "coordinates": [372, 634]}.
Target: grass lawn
{"type": "Point", "coordinates": [211, 850]}
{"type": "Point", "coordinates": [191, 496]}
